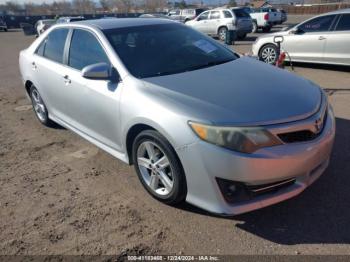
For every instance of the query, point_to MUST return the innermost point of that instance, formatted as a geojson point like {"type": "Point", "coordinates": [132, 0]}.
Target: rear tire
{"type": "Point", "coordinates": [158, 167]}
{"type": "Point", "coordinates": [241, 37]}
{"type": "Point", "coordinates": [39, 107]}
{"type": "Point", "coordinates": [266, 29]}
{"type": "Point", "coordinates": [222, 33]}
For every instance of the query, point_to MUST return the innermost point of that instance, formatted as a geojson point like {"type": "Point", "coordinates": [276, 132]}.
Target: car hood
{"type": "Point", "coordinates": [242, 92]}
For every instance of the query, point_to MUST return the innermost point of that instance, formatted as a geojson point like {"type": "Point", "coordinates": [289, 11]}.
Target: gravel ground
{"type": "Point", "coordinates": [61, 195]}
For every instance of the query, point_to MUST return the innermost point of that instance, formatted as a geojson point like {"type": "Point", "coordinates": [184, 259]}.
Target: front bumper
{"type": "Point", "coordinates": [204, 162]}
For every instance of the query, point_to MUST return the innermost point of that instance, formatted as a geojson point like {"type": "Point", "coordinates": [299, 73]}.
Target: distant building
{"type": "Point", "coordinates": [259, 4]}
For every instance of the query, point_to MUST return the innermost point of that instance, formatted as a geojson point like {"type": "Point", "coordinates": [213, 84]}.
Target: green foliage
{"type": "Point", "coordinates": [232, 3]}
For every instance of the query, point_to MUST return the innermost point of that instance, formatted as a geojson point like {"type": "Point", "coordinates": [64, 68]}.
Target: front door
{"type": "Point", "coordinates": [337, 48]}
{"type": "Point", "coordinates": [91, 106]}
{"type": "Point", "coordinates": [201, 23]}
{"type": "Point", "coordinates": [308, 42]}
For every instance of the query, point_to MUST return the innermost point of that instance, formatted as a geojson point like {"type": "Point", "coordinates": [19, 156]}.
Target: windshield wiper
{"type": "Point", "coordinates": [192, 68]}
{"type": "Point", "coordinates": [209, 64]}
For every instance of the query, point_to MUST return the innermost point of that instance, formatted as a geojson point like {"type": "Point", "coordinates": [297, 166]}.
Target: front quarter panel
{"type": "Point", "coordinates": [140, 106]}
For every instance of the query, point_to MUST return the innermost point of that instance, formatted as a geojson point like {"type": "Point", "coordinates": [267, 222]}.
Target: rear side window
{"type": "Point", "coordinates": [214, 14]}
{"type": "Point", "coordinates": [240, 13]}
{"type": "Point", "coordinates": [227, 14]}
{"type": "Point", "coordinates": [318, 24]}
{"type": "Point", "coordinates": [344, 23]}
{"type": "Point", "coordinates": [41, 48]}
{"type": "Point", "coordinates": [85, 50]}
{"type": "Point", "coordinates": [54, 45]}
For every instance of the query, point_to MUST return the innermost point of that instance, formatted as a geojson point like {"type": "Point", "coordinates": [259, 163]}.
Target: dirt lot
{"type": "Point", "coordinates": [61, 195]}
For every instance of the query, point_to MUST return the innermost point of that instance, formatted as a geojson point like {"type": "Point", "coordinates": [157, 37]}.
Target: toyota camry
{"type": "Point", "coordinates": [185, 110]}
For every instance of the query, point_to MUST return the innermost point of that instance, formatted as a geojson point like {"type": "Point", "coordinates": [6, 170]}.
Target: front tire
{"type": "Point", "coordinates": [268, 54]}
{"type": "Point", "coordinates": [241, 37]}
{"type": "Point", "coordinates": [158, 167]}
{"type": "Point", "coordinates": [255, 27]}
{"type": "Point", "coordinates": [39, 107]}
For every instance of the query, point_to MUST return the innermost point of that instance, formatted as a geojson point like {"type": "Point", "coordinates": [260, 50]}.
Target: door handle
{"type": "Point", "coordinates": [321, 38]}
{"type": "Point", "coordinates": [34, 66]}
{"type": "Point", "coordinates": [67, 80]}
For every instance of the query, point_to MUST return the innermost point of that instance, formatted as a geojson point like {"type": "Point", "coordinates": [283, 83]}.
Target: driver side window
{"type": "Point", "coordinates": [318, 24]}
{"type": "Point", "coordinates": [85, 50]}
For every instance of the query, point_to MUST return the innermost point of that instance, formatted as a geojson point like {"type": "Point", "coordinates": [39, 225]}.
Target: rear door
{"type": "Point", "coordinates": [337, 48]}
{"type": "Point", "coordinates": [214, 22]}
{"type": "Point", "coordinates": [308, 44]}
{"type": "Point", "coordinates": [49, 70]}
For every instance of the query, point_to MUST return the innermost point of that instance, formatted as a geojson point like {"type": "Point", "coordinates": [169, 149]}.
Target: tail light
{"type": "Point", "coordinates": [266, 16]}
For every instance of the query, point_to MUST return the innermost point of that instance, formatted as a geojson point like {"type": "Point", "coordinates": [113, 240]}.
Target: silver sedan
{"type": "Point", "coordinates": [183, 109]}
{"type": "Point", "coordinates": [322, 39]}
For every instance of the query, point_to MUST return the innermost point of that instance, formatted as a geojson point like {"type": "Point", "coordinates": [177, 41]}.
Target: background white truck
{"type": "Point", "coordinates": [264, 18]}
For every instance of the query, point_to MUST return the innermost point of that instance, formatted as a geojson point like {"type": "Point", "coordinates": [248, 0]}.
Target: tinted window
{"type": "Point", "coordinates": [54, 46]}
{"type": "Point", "coordinates": [200, 10]}
{"type": "Point", "coordinates": [247, 10]}
{"type": "Point", "coordinates": [240, 13]}
{"type": "Point", "coordinates": [85, 50]}
{"type": "Point", "coordinates": [318, 24]}
{"type": "Point", "coordinates": [215, 15]}
{"type": "Point", "coordinates": [203, 16]}
{"type": "Point", "coordinates": [182, 49]}
{"type": "Point", "coordinates": [344, 23]}
{"type": "Point", "coordinates": [227, 14]}
{"type": "Point", "coordinates": [40, 49]}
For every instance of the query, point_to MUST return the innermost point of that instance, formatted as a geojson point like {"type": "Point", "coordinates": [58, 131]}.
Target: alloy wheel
{"type": "Point", "coordinates": [269, 55]}
{"type": "Point", "coordinates": [39, 106]}
{"type": "Point", "coordinates": [222, 34]}
{"type": "Point", "coordinates": [155, 168]}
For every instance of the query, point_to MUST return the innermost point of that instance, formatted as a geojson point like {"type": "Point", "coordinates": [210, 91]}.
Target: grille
{"type": "Point", "coordinates": [269, 188]}
{"type": "Point", "coordinates": [302, 135]}
{"type": "Point", "coordinates": [298, 136]}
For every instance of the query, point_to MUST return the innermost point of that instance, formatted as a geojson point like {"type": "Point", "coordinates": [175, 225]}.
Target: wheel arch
{"type": "Point", "coordinates": [132, 133]}
{"type": "Point", "coordinates": [221, 26]}
{"type": "Point", "coordinates": [28, 84]}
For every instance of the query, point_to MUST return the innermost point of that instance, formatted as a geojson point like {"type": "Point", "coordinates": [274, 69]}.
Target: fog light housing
{"type": "Point", "coordinates": [233, 191]}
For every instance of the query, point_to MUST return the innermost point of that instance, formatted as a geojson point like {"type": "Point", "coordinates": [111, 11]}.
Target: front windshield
{"type": "Point", "coordinates": [164, 49]}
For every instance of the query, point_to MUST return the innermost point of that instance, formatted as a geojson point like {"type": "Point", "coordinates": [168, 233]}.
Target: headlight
{"type": "Point", "coordinates": [241, 139]}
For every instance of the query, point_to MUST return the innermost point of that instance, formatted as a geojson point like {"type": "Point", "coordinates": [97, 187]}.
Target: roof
{"type": "Point", "coordinates": [340, 11]}
{"type": "Point", "coordinates": [113, 23]}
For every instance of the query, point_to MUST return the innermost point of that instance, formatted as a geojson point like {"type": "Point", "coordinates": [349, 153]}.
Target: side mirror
{"type": "Point", "coordinates": [296, 31]}
{"type": "Point", "coordinates": [278, 39]}
{"type": "Point", "coordinates": [100, 71]}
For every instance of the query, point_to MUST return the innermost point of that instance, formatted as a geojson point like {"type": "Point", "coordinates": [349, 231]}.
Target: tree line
{"type": "Point", "coordinates": [91, 6]}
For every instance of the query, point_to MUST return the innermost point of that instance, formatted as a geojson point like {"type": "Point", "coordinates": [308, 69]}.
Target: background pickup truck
{"type": "Point", "coordinates": [264, 18]}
